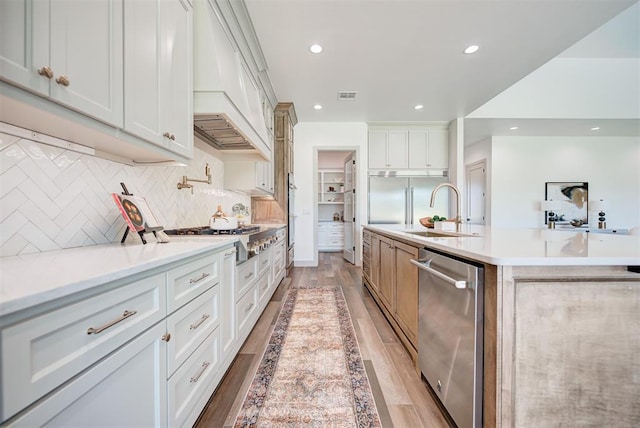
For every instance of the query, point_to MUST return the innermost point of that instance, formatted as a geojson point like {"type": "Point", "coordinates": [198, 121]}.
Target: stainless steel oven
{"type": "Point", "coordinates": [450, 333]}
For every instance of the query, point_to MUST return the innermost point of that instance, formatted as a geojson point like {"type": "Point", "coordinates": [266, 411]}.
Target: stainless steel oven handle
{"type": "Point", "coordinates": [423, 264]}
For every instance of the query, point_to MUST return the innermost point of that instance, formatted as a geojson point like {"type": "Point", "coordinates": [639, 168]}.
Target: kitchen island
{"type": "Point", "coordinates": [561, 312]}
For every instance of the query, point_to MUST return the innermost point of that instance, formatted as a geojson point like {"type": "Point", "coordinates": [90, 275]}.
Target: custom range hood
{"type": "Point", "coordinates": [229, 112]}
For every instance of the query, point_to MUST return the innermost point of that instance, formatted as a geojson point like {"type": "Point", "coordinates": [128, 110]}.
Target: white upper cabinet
{"type": "Point", "coordinates": [249, 177]}
{"type": "Point", "coordinates": [85, 71]}
{"type": "Point", "coordinates": [414, 148]}
{"type": "Point", "coordinates": [24, 51]}
{"type": "Point", "coordinates": [69, 51]}
{"type": "Point", "coordinates": [428, 149]}
{"type": "Point", "coordinates": [388, 149]}
{"type": "Point", "coordinates": [158, 76]}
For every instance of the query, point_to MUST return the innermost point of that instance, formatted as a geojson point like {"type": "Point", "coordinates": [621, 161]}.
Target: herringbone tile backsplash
{"type": "Point", "coordinates": [52, 198]}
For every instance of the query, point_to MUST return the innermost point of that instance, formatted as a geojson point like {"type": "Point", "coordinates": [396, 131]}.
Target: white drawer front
{"type": "Point", "coordinates": [245, 308]}
{"type": "Point", "coordinates": [192, 379]}
{"type": "Point", "coordinates": [190, 325]}
{"type": "Point", "coordinates": [246, 277]}
{"type": "Point", "coordinates": [263, 289]}
{"type": "Point", "coordinates": [43, 352]}
{"type": "Point", "coordinates": [190, 280]}
{"type": "Point", "coordinates": [264, 261]}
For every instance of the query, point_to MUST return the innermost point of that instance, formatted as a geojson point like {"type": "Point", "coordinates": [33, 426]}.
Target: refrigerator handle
{"type": "Point", "coordinates": [410, 210]}
{"type": "Point", "coordinates": [406, 205]}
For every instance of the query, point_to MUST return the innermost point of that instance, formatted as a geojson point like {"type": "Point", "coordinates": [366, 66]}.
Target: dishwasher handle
{"type": "Point", "coordinates": [424, 265]}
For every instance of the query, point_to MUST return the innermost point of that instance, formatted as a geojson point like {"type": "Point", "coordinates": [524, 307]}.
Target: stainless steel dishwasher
{"type": "Point", "coordinates": [450, 331]}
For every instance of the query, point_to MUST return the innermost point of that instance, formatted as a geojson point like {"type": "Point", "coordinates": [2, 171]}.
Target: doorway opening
{"type": "Point", "coordinates": [336, 172]}
{"type": "Point", "coordinates": [476, 191]}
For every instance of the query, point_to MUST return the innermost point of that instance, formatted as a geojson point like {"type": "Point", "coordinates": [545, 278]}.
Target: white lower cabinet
{"type": "Point", "coordinates": [278, 265]}
{"type": "Point", "coordinates": [246, 310]}
{"type": "Point", "coordinates": [42, 352]}
{"type": "Point", "coordinates": [190, 325]}
{"type": "Point", "coordinates": [192, 384]}
{"type": "Point", "coordinates": [149, 351]}
{"type": "Point", "coordinates": [330, 236]}
{"type": "Point", "coordinates": [228, 333]}
{"type": "Point", "coordinates": [127, 389]}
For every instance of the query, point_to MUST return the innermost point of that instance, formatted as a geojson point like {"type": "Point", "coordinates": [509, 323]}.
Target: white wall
{"type": "Point", "coordinates": [52, 198]}
{"type": "Point", "coordinates": [308, 137]}
{"type": "Point", "coordinates": [520, 166]}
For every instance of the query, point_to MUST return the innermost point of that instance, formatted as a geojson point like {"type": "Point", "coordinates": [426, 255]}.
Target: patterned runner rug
{"type": "Point", "coordinates": [312, 373]}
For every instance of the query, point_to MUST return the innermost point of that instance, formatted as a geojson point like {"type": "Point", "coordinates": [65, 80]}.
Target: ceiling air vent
{"type": "Point", "coordinates": [346, 95]}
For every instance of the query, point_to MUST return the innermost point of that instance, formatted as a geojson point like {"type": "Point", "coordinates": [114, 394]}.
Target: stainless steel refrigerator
{"type": "Point", "coordinates": [403, 197]}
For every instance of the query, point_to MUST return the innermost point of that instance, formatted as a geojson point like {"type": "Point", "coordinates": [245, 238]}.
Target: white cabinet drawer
{"type": "Point", "coordinates": [192, 379]}
{"type": "Point", "coordinates": [264, 261]}
{"type": "Point", "coordinates": [278, 258]}
{"type": "Point", "coordinates": [41, 353]}
{"type": "Point", "coordinates": [191, 279]}
{"type": "Point", "coordinates": [330, 226]}
{"type": "Point", "coordinates": [247, 274]}
{"type": "Point", "coordinates": [263, 287]}
{"type": "Point", "coordinates": [245, 309]}
{"type": "Point", "coordinates": [190, 325]}
{"type": "Point", "coordinates": [335, 234]}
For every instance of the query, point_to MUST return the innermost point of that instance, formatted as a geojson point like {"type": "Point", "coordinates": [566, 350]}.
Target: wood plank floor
{"type": "Point", "coordinates": [401, 398]}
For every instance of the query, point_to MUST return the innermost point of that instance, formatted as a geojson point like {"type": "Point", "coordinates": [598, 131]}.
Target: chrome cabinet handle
{"type": "Point", "coordinates": [204, 275]}
{"type": "Point", "coordinates": [62, 80]}
{"type": "Point", "coordinates": [199, 322]}
{"type": "Point", "coordinates": [200, 372]}
{"type": "Point", "coordinates": [46, 72]}
{"type": "Point", "coordinates": [124, 316]}
{"type": "Point", "coordinates": [166, 337]}
{"type": "Point", "coordinates": [169, 136]}
{"type": "Point", "coordinates": [421, 264]}
{"type": "Point", "coordinates": [230, 253]}
{"type": "Point", "coordinates": [249, 275]}
{"type": "Point", "coordinates": [248, 308]}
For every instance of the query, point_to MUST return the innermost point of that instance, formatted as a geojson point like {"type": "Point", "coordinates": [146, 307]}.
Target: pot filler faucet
{"type": "Point", "coordinates": [457, 192]}
{"type": "Point", "coordinates": [185, 185]}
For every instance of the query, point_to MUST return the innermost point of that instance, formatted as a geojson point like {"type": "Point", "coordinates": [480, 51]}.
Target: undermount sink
{"type": "Point", "coordinates": [434, 234]}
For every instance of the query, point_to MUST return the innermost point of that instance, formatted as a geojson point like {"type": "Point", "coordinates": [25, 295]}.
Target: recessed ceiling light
{"type": "Point", "coordinates": [513, 128]}
{"type": "Point", "coordinates": [418, 107]}
{"type": "Point", "coordinates": [317, 107]}
{"type": "Point", "coordinates": [316, 49]}
{"type": "Point", "coordinates": [471, 49]}
{"type": "Point", "coordinates": [595, 128]}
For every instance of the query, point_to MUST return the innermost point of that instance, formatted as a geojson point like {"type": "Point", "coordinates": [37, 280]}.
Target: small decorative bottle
{"type": "Point", "coordinates": [219, 213]}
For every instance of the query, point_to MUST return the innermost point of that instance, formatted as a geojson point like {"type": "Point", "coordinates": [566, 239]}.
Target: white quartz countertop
{"type": "Point", "coordinates": [527, 247]}
{"type": "Point", "coordinates": [33, 279]}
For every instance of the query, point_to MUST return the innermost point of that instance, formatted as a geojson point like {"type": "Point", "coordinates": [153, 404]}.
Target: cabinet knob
{"type": "Point", "coordinates": [166, 337]}
{"type": "Point", "coordinates": [169, 136]}
{"type": "Point", "coordinates": [62, 80]}
{"type": "Point", "coordinates": [46, 72]}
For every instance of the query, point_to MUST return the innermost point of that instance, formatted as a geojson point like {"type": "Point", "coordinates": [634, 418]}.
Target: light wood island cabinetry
{"type": "Point", "coordinates": [393, 282]}
{"type": "Point", "coordinates": [406, 291]}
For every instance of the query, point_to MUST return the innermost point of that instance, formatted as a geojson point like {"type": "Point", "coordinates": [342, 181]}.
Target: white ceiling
{"type": "Point", "coordinates": [398, 53]}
